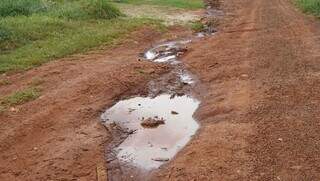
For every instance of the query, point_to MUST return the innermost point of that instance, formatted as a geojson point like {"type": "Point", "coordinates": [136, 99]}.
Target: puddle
{"type": "Point", "coordinates": [148, 148]}
{"type": "Point", "coordinates": [167, 52]}
{"type": "Point", "coordinates": [148, 131]}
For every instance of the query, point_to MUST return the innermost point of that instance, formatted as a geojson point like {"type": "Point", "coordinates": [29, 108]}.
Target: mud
{"type": "Point", "coordinates": [168, 110]}
{"type": "Point", "coordinates": [164, 140]}
{"type": "Point", "coordinates": [160, 124]}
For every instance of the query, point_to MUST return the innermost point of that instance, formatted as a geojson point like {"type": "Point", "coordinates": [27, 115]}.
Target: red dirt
{"type": "Point", "coordinates": [259, 116]}
{"type": "Point", "coordinates": [59, 135]}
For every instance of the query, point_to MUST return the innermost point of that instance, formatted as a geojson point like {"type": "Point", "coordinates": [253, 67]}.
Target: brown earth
{"type": "Point", "coordinates": [59, 135]}
{"type": "Point", "coordinates": [259, 116]}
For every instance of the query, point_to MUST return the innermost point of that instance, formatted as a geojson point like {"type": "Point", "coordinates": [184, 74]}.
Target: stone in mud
{"type": "Point", "coordinates": [152, 122]}
{"type": "Point", "coordinates": [174, 112]}
{"type": "Point", "coordinates": [160, 159]}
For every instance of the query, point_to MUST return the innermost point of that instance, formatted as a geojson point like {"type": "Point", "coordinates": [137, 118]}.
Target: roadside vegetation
{"type": "Point", "coordinates": [33, 32]}
{"type": "Point", "coordinates": [19, 97]}
{"type": "Point", "coordinates": [185, 4]}
{"type": "Point", "coordinates": [310, 6]}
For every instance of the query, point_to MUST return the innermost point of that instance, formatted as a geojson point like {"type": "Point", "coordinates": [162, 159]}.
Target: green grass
{"type": "Point", "coordinates": [62, 28]}
{"type": "Point", "coordinates": [197, 26]}
{"type": "Point", "coordinates": [64, 38]}
{"type": "Point", "coordinates": [185, 4]}
{"type": "Point", "coordinates": [310, 6]}
{"type": "Point", "coordinates": [20, 97]}
{"type": "Point", "coordinates": [21, 7]}
{"type": "Point", "coordinates": [81, 9]}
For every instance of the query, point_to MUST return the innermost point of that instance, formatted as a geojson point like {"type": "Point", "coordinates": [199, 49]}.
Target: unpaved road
{"type": "Point", "coordinates": [259, 116]}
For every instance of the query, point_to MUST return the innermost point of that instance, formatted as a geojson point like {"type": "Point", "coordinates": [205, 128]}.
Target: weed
{"type": "Point", "coordinates": [197, 26]}
{"type": "Point", "coordinates": [185, 4]}
{"type": "Point", "coordinates": [20, 97]}
{"type": "Point", "coordinates": [310, 6]}
{"type": "Point", "coordinates": [21, 7]}
{"type": "Point", "coordinates": [91, 9]}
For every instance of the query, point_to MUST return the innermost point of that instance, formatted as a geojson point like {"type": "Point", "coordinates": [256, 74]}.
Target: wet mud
{"type": "Point", "coordinates": [149, 130]}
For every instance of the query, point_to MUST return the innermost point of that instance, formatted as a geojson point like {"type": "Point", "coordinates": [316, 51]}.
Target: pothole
{"type": "Point", "coordinates": [153, 144]}
{"type": "Point", "coordinates": [148, 131]}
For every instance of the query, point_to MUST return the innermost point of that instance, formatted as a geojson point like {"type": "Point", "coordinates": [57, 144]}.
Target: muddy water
{"type": "Point", "coordinates": [148, 148]}
{"type": "Point", "coordinates": [142, 149]}
{"type": "Point", "coordinates": [136, 149]}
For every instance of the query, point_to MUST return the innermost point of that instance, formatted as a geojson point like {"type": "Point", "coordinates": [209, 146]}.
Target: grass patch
{"type": "Point", "coordinates": [197, 26]}
{"type": "Point", "coordinates": [21, 7]}
{"type": "Point", "coordinates": [81, 9]}
{"type": "Point", "coordinates": [58, 38]}
{"type": "Point", "coordinates": [20, 97]}
{"type": "Point", "coordinates": [35, 36]}
{"type": "Point", "coordinates": [185, 4]}
{"type": "Point", "coordinates": [310, 6]}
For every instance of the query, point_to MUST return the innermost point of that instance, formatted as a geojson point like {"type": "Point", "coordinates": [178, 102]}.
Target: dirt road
{"type": "Point", "coordinates": [259, 116]}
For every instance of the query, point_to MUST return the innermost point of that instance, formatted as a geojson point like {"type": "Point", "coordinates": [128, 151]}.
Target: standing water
{"type": "Point", "coordinates": [162, 124]}
{"type": "Point", "coordinates": [149, 147]}
{"type": "Point", "coordinates": [158, 126]}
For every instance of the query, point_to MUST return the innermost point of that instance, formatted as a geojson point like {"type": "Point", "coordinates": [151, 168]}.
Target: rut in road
{"type": "Point", "coordinates": [260, 117]}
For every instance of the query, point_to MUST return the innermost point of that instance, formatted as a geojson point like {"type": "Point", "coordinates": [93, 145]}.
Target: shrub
{"type": "Point", "coordinates": [95, 9]}
{"type": "Point", "coordinates": [4, 34]}
{"type": "Point", "coordinates": [20, 97]}
{"type": "Point", "coordinates": [311, 6]}
{"type": "Point", "coordinates": [21, 7]}
{"type": "Point", "coordinates": [102, 9]}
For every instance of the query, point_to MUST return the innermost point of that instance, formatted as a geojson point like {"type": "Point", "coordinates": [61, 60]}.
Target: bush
{"type": "Point", "coordinates": [102, 9]}
{"type": "Point", "coordinates": [4, 34]}
{"type": "Point", "coordinates": [311, 6]}
{"type": "Point", "coordinates": [21, 7]}
{"type": "Point", "coordinates": [95, 9]}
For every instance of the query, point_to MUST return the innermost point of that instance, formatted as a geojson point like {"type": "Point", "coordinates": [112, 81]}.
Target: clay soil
{"type": "Point", "coordinates": [259, 117]}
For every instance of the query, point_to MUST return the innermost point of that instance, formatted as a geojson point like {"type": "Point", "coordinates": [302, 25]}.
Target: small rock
{"type": "Point", "coordinates": [152, 122]}
{"type": "Point", "coordinates": [150, 71]}
{"type": "Point", "coordinates": [131, 110]}
{"type": "Point", "coordinates": [84, 149]}
{"type": "Point", "coordinates": [160, 159]}
{"type": "Point", "coordinates": [244, 76]}
{"type": "Point", "coordinates": [12, 109]}
{"type": "Point", "coordinates": [280, 139]}
{"type": "Point", "coordinates": [296, 167]}
{"type": "Point", "coordinates": [174, 112]}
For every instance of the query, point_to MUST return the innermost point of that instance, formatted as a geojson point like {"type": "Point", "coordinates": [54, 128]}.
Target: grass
{"type": "Point", "coordinates": [185, 4]}
{"type": "Point", "coordinates": [20, 97]}
{"type": "Point", "coordinates": [310, 6]}
{"type": "Point", "coordinates": [31, 37]}
{"type": "Point", "coordinates": [21, 7]}
{"type": "Point", "coordinates": [197, 26]}
{"type": "Point", "coordinates": [64, 38]}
